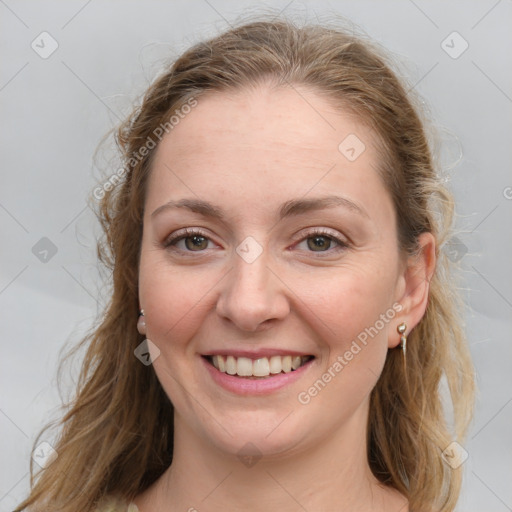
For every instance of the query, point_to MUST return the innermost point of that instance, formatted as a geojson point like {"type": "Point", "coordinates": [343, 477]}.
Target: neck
{"type": "Point", "coordinates": [333, 475]}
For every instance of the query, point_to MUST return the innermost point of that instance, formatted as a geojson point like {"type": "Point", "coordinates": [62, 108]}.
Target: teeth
{"type": "Point", "coordinates": [244, 367]}
{"type": "Point", "coordinates": [275, 364]}
{"type": "Point", "coordinates": [262, 367]}
{"type": "Point", "coordinates": [230, 365]}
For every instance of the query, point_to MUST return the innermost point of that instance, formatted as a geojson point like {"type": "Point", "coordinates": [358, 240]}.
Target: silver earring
{"type": "Point", "coordinates": [141, 323]}
{"type": "Point", "coordinates": [403, 338]}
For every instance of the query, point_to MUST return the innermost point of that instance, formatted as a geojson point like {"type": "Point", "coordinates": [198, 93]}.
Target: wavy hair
{"type": "Point", "coordinates": [116, 437]}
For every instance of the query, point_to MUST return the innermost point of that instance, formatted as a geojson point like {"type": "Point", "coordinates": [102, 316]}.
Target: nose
{"type": "Point", "coordinates": [253, 297]}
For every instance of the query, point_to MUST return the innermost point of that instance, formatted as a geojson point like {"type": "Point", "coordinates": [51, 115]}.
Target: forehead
{"type": "Point", "coordinates": [266, 145]}
{"type": "Point", "coordinates": [282, 118]}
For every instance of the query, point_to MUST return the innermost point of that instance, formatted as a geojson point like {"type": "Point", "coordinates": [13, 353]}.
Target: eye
{"type": "Point", "coordinates": [320, 240]}
{"type": "Point", "coordinates": [196, 240]}
{"type": "Point", "coordinates": [188, 240]}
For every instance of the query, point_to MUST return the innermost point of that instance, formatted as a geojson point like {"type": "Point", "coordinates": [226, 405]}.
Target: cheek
{"type": "Point", "coordinates": [349, 299]}
{"type": "Point", "coordinates": [353, 318]}
{"type": "Point", "coordinates": [352, 310]}
{"type": "Point", "coordinates": [174, 299]}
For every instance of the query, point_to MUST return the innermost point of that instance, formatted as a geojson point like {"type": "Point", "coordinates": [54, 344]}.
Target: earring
{"type": "Point", "coordinates": [403, 338]}
{"type": "Point", "coordinates": [141, 323]}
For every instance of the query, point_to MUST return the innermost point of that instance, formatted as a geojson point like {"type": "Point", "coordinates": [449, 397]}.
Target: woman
{"type": "Point", "coordinates": [282, 312]}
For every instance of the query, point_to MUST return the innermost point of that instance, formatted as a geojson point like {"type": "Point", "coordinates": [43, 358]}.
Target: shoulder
{"type": "Point", "coordinates": [115, 504]}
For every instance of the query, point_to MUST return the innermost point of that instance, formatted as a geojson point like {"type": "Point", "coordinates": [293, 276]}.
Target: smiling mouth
{"type": "Point", "coordinates": [262, 367]}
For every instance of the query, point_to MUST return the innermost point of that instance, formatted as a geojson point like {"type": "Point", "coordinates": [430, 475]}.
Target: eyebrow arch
{"type": "Point", "coordinates": [288, 209]}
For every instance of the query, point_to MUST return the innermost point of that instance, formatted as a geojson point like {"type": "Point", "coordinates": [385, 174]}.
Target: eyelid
{"type": "Point", "coordinates": [175, 237]}
{"type": "Point", "coordinates": [321, 231]}
{"type": "Point", "coordinates": [340, 240]}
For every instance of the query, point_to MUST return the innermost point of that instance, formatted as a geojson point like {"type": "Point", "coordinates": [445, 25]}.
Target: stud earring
{"type": "Point", "coordinates": [403, 338]}
{"type": "Point", "coordinates": [141, 323]}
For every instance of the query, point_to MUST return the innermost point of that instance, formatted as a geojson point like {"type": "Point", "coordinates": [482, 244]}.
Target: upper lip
{"type": "Point", "coordinates": [255, 353]}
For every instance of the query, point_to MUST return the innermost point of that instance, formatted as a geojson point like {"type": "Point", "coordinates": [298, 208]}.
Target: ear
{"type": "Point", "coordinates": [413, 287]}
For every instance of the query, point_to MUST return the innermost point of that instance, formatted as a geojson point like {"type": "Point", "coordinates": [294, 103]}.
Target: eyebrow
{"type": "Point", "coordinates": [288, 209]}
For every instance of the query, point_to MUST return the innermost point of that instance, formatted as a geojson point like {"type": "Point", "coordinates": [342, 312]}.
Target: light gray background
{"type": "Point", "coordinates": [55, 110]}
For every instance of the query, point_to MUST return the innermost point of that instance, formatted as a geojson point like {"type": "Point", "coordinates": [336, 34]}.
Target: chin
{"type": "Point", "coordinates": [257, 433]}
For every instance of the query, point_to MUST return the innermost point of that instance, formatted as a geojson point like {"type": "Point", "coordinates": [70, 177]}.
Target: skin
{"type": "Point", "coordinates": [248, 153]}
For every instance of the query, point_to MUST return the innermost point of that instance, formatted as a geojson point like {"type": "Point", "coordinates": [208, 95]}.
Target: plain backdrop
{"type": "Point", "coordinates": [71, 70]}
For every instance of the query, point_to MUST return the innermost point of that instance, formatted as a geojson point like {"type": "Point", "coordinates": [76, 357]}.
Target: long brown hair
{"type": "Point", "coordinates": [116, 437]}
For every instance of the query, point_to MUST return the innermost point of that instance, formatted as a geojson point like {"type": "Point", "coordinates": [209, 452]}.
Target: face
{"type": "Point", "coordinates": [269, 270]}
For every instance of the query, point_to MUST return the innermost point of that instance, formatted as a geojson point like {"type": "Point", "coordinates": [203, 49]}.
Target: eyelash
{"type": "Point", "coordinates": [190, 232]}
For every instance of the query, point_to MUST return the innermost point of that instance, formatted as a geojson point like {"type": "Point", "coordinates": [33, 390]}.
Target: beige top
{"type": "Point", "coordinates": [113, 504]}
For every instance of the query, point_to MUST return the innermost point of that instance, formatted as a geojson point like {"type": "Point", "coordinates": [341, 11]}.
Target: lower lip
{"type": "Point", "coordinates": [261, 386]}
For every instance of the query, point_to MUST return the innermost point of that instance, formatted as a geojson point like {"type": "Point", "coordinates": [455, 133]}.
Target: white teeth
{"type": "Point", "coordinates": [296, 362]}
{"type": "Point", "coordinates": [244, 366]}
{"type": "Point", "coordinates": [262, 367]}
{"type": "Point", "coordinates": [230, 365]}
{"type": "Point", "coordinates": [218, 362]}
{"type": "Point", "coordinates": [275, 364]}
{"type": "Point", "coordinates": [286, 364]}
